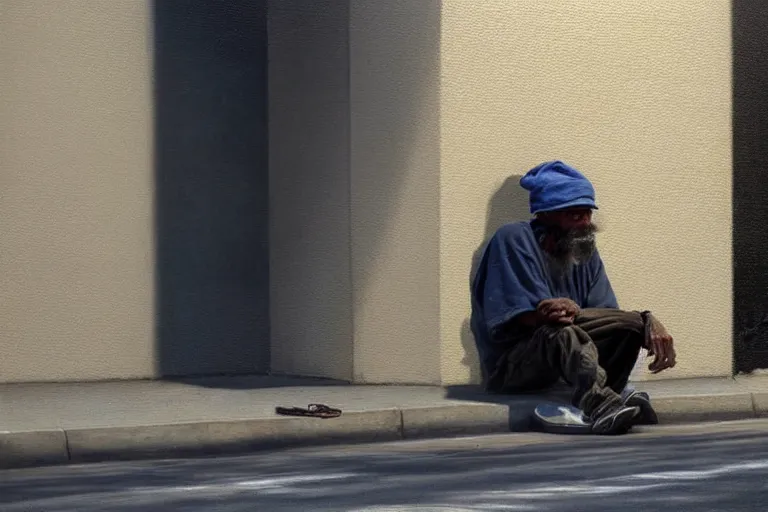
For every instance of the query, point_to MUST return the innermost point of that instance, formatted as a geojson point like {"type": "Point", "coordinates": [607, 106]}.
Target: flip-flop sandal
{"type": "Point", "coordinates": [312, 411]}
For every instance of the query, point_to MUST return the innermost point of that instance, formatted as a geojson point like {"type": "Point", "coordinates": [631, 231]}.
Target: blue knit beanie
{"type": "Point", "coordinates": [555, 185]}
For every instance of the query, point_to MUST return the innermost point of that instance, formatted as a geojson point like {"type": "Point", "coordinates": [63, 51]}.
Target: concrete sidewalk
{"type": "Point", "coordinates": [87, 422]}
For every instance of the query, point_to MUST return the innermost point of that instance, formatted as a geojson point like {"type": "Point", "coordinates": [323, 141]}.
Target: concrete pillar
{"type": "Point", "coordinates": [354, 173]}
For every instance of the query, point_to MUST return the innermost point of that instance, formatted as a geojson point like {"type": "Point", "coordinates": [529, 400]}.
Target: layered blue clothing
{"type": "Point", "coordinates": [514, 275]}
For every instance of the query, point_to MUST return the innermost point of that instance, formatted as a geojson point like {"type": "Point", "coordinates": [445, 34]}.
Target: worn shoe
{"type": "Point", "coordinates": [613, 418]}
{"type": "Point", "coordinates": [641, 400]}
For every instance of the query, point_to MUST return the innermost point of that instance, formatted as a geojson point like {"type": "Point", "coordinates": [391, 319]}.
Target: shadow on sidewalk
{"type": "Point", "coordinates": [253, 381]}
{"type": "Point", "coordinates": [475, 393]}
{"type": "Point", "coordinates": [521, 406]}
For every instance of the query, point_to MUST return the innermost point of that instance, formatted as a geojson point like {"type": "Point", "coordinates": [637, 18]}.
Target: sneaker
{"type": "Point", "coordinates": [641, 400]}
{"type": "Point", "coordinates": [614, 418]}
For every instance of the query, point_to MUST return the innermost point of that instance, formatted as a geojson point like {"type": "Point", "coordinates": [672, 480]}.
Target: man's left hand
{"type": "Point", "coordinates": [661, 345]}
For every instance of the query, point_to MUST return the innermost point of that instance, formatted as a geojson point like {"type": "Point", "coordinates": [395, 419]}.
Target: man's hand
{"type": "Point", "coordinates": [561, 311]}
{"type": "Point", "coordinates": [661, 345]}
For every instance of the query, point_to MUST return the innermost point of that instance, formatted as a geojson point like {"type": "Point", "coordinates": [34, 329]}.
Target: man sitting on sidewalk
{"type": "Point", "coordinates": [543, 308]}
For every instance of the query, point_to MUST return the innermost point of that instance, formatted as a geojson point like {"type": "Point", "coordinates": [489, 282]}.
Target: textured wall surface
{"type": "Point", "coordinates": [636, 94]}
{"type": "Point", "coordinates": [310, 286]}
{"type": "Point", "coordinates": [398, 131]}
{"type": "Point", "coordinates": [395, 172]}
{"type": "Point", "coordinates": [76, 252]}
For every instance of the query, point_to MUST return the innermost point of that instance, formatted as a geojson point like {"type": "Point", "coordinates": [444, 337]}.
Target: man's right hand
{"type": "Point", "coordinates": [561, 311]}
{"type": "Point", "coordinates": [661, 345]}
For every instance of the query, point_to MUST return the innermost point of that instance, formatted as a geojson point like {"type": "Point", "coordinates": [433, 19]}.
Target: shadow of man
{"type": "Point", "coordinates": [508, 204]}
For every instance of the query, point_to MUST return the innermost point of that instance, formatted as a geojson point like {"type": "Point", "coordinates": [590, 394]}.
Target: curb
{"type": "Point", "coordinates": [87, 445]}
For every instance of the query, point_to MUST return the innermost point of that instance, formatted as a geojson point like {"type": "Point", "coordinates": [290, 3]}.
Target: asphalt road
{"type": "Point", "coordinates": [722, 467]}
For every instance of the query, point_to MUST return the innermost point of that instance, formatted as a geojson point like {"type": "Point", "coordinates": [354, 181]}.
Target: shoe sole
{"type": "Point", "coordinates": [647, 415]}
{"type": "Point", "coordinates": [620, 423]}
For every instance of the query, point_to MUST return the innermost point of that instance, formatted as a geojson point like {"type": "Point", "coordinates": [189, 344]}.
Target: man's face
{"type": "Point", "coordinates": [570, 218]}
{"type": "Point", "coordinates": [571, 234]}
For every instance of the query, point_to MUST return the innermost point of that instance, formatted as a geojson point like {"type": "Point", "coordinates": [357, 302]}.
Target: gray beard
{"type": "Point", "coordinates": [571, 247]}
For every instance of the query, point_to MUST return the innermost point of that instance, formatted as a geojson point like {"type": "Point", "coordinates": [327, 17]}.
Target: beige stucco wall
{"type": "Point", "coordinates": [395, 182]}
{"type": "Point", "coordinates": [637, 95]}
{"type": "Point", "coordinates": [393, 127]}
{"type": "Point", "coordinates": [76, 244]}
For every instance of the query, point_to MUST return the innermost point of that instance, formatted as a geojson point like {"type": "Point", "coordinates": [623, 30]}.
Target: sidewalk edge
{"type": "Point", "coordinates": [60, 446]}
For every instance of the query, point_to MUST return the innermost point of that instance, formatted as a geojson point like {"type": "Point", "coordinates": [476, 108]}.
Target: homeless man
{"type": "Point", "coordinates": [543, 308]}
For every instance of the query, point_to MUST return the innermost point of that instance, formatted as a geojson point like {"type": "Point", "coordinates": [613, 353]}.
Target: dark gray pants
{"type": "Point", "coordinates": [595, 355]}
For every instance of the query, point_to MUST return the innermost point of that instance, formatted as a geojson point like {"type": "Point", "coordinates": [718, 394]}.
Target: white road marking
{"type": "Point", "coordinates": [703, 474]}
{"type": "Point", "coordinates": [571, 490]}
{"type": "Point", "coordinates": [270, 483]}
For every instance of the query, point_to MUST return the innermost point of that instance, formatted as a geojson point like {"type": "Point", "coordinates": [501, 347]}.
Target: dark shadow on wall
{"type": "Point", "coordinates": [750, 186]}
{"type": "Point", "coordinates": [210, 65]}
{"type": "Point", "coordinates": [508, 204]}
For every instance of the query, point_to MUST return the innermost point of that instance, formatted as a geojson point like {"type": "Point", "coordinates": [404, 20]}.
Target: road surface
{"type": "Point", "coordinates": [719, 467]}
